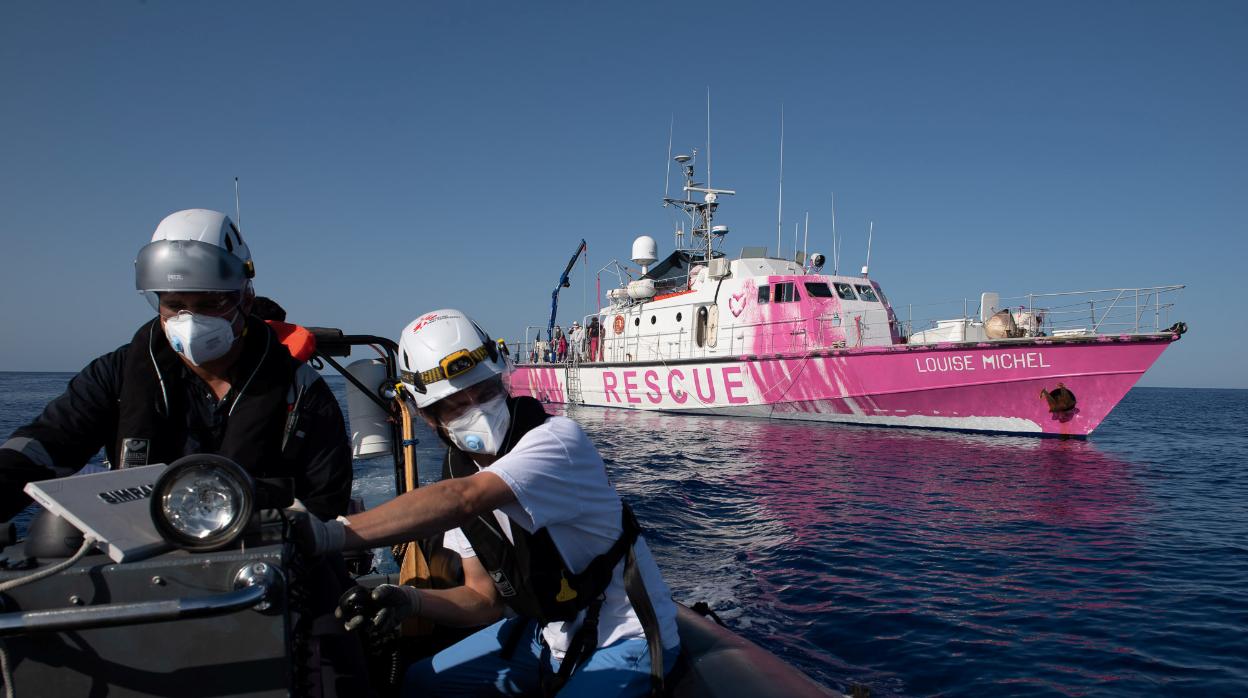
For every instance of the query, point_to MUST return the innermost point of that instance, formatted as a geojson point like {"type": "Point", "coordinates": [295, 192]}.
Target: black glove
{"type": "Point", "coordinates": [379, 611]}
{"type": "Point", "coordinates": [313, 536]}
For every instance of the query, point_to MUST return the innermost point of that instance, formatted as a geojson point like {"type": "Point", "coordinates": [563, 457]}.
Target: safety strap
{"type": "Point", "coordinates": [582, 647]}
{"type": "Point", "coordinates": [585, 640]}
{"type": "Point", "coordinates": [512, 640]}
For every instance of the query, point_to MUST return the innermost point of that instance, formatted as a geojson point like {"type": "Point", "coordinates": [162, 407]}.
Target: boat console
{"type": "Point", "coordinates": [220, 623]}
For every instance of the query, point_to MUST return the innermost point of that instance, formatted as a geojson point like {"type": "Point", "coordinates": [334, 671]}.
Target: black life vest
{"type": "Point", "coordinates": [528, 571]}
{"type": "Point", "coordinates": [152, 425]}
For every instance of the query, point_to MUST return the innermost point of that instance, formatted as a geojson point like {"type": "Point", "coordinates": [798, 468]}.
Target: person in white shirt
{"type": "Point", "coordinates": [578, 341]}
{"type": "Point", "coordinates": [554, 563]}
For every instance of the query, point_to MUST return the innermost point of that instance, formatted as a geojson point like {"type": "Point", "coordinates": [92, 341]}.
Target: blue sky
{"type": "Point", "coordinates": [401, 158]}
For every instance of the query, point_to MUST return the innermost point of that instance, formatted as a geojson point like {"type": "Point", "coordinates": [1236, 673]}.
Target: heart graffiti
{"type": "Point", "coordinates": [736, 302]}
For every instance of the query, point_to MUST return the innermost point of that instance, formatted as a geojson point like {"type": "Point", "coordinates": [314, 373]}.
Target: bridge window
{"type": "Point", "coordinates": [867, 293]}
{"type": "Point", "coordinates": [787, 292]}
{"type": "Point", "coordinates": [845, 291]}
{"type": "Point", "coordinates": [764, 294]}
{"type": "Point", "coordinates": [818, 289]}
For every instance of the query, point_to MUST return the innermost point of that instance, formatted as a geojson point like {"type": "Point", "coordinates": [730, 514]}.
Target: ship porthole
{"type": "Point", "coordinates": [636, 322]}
{"type": "Point", "coordinates": [653, 319]}
{"type": "Point", "coordinates": [677, 317]}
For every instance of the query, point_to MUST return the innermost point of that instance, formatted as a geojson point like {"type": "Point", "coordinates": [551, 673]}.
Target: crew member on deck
{"type": "Point", "coordinates": [594, 333]}
{"type": "Point", "coordinates": [541, 531]}
{"type": "Point", "coordinates": [201, 377]}
{"type": "Point", "coordinates": [561, 350]}
{"type": "Point", "coordinates": [578, 342]}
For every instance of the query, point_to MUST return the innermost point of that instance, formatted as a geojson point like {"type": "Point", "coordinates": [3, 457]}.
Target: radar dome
{"type": "Point", "coordinates": [645, 250]}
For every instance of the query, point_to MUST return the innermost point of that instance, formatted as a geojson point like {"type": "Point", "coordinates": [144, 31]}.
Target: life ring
{"type": "Point", "coordinates": [618, 324]}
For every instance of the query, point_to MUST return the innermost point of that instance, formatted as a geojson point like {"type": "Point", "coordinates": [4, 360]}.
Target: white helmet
{"type": "Point", "coordinates": [194, 250]}
{"type": "Point", "coordinates": [444, 352]}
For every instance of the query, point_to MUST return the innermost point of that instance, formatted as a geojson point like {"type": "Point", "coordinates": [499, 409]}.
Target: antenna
{"type": "Point", "coordinates": [708, 138]}
{"type": "Point", "coordinates": [870, 233]}
{"type": "Point", "coordinates": [795, 227]}
{"type": "Point", "coordinates": [238, 212]}
{"type": "Point", "coordinates": [805, 240]}
{"type": "Point", "coordinates": [780, 205]}
{"type": "Point", "coordinates": [667, 178]}
{"type": "Point", "coordinates": [836, 257]}
{"type": "Point", "coordinates": [838, 249]}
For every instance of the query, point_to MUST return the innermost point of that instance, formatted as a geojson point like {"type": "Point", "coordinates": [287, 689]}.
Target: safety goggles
{"type": "Point", "coordinates": [454, 364]}
{"type": "Point", "coordinates": [454, 405]}
{"type": "Point", "coordinates": [170, 303]}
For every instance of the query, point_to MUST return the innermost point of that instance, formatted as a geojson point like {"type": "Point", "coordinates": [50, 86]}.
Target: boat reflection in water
{"type": "Point", "coordinates": [909, 560]}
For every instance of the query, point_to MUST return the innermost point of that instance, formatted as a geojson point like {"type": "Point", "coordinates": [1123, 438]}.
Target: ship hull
{"type": "Point", "coordinates": [985, 386]}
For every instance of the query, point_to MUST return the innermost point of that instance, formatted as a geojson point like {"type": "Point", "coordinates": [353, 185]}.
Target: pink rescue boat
{"type": "Point", "coordinates": [763, 336]}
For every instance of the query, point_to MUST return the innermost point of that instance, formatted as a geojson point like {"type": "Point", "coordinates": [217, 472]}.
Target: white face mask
{"type": "Point", "coordinates": [481, 428]}
{"type": "Point", "coordinates": [200, 338]}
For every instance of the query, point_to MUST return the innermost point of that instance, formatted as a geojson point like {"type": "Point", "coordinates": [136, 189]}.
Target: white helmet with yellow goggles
{"type": "Point", "coordinates": [443, 352]}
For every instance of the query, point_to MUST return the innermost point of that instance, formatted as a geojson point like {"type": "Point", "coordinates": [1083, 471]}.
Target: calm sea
{"type": "Point", "coordinates": [929, 563]}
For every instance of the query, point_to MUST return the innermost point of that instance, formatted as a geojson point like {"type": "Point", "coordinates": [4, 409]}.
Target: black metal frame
{"type": "Point", "coordinates": [332, 342]}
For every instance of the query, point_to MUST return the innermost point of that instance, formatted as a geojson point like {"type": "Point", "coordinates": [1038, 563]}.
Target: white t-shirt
{"type": "Point", "coordinates": [561, 485]}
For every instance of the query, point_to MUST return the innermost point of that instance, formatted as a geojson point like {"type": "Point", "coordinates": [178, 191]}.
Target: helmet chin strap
{"type": "Point", "coordinates": [441, 432]}
{"type": "Point", "coordinates": [240, 317]}
{"type": "Point", "coordinates": [511, 419]}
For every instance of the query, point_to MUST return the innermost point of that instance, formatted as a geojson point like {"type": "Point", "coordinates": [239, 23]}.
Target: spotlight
{"type": "Point", "coordinates": [203, 502]}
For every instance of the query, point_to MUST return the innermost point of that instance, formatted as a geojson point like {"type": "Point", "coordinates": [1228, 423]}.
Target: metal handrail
{"type": "Point", "coordinates": [729, 339]}
{"type": "Point", "coordinates": [1121, 313]}
{"type": "Point", "coordinates": [1099, 311]}
{"type": "Point", "coordinates": [117, 614]}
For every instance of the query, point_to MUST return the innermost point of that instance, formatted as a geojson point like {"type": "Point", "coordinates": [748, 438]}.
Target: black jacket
{"type": "Point", "coordinates": [75, 426]}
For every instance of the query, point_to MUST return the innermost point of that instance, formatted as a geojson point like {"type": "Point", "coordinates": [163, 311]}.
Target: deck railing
{"type": "Point", "coordinates": [1100, 311]}
{"type": "Point", "coordinates": [1105, 311]}
{"type": "Point", "coordinates": [798, 335]}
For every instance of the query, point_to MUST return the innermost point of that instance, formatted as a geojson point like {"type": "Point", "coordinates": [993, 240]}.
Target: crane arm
{"type": "Point", "coordinates": [564, 282]}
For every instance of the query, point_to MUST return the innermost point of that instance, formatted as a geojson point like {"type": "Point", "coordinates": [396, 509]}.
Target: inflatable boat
{"type": "Point", "coordinates": [107, 599]}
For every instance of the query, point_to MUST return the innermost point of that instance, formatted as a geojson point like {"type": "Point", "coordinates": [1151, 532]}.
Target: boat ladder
{"type": "Point", "coordinates": [572, 379]}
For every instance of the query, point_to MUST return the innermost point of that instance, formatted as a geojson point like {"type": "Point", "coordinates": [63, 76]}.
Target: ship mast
{"type": "Point", "coordinates": [702, 213]}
